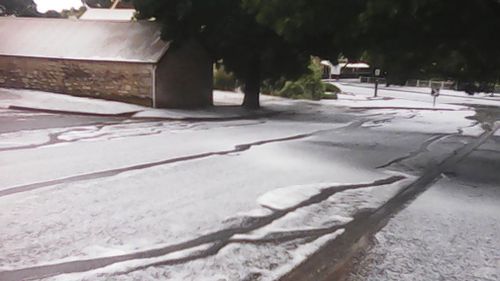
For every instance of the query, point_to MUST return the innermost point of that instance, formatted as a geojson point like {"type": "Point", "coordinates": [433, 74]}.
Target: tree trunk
{"type": "Point", "coordinates": [252, 88]}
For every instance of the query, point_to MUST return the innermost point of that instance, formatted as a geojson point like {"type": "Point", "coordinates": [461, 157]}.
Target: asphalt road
{"type": "Point", "coordinates": [79, 193]}
{"type": "Point", "coordinates": [450, 232]}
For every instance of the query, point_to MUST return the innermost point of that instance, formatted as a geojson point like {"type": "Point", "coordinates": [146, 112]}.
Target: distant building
{"type": "Point", "coordinates": [116, 60]}
{"type": "Point", "coordinates": [355, 70]}
{"type": "Point", "coordinates": [345, 70]}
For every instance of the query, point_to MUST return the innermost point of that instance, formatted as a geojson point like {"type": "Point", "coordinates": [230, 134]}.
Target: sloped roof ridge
{"type": "Point", "coordinates": [97, 40]}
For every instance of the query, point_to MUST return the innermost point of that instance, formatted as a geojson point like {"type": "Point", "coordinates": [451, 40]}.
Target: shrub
{"type": "Point", "coordinates": [223, 80]}
{"type": "Point", "coordinates": [309, 86]}
{"type": "Point", "coordinates": [331, 88]}
{"type": "Point", "coordinates": [272, 87]}
{"type": "Point", "coordinates": [292, 90]}
{"type": "Point", "coordinates": [329, 96]}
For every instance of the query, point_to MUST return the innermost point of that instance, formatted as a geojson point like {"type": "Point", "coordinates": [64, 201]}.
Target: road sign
{"type": "Point", "coordinates": [434, 94]}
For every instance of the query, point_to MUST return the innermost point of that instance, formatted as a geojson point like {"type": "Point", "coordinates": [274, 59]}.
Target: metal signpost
{"type": "Point", "coordinates": [376, 73]}
{"type": "Point", "coordinates": [434, 94]}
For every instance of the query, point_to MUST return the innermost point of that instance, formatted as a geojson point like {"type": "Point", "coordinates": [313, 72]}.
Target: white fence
{"type": "Point", "coordinates": [435, 84]}
{"type": "Point", "coordinates": [414, 83]}
{"type": "Point", "coordinates": [370, 79]}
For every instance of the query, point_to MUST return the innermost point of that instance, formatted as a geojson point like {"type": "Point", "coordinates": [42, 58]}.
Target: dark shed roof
{"type": "Point", "coordinates": [82, 40]}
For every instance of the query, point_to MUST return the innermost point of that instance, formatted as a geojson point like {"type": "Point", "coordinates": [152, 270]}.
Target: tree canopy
{"type": "Point", "coordinates": [21, 8]}
{"type": "Point", "coordinates": [260, 40]}
{"type": "Point", "coordinates": [434, 39]}
{"type": "Point", "coordinates": [252, 51]}
{"type": "Point", "coordinates": [323, 28]}
{"type": "Point", "coordinates": [28, 8]}
{"type": "Point", "coordinates": [409, 39]}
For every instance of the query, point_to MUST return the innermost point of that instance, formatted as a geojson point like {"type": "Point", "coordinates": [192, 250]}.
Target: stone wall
{"type": "Point", "coordinates": [128, 82]}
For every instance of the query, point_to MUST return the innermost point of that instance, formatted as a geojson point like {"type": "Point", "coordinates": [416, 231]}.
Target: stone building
{"type": "Point", "coordinates": [116, 60]}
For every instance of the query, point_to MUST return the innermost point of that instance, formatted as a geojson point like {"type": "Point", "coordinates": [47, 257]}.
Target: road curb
{"type": "Point", "coordinates": [57, 111]}
{"type": "Point", "coordinates": [130, 115]}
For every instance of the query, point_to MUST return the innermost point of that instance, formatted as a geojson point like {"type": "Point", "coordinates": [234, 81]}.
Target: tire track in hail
{"type": "Point", "coordinates": [113, 172]}
{"type": "Point", "coordinates": [329, 263]}
{"type": "Point", "coordinates": [219, 238]}
{"type": "Point", "coordinates": [54, 137]}
{"type": "Point", "coordinates": [423, 148]}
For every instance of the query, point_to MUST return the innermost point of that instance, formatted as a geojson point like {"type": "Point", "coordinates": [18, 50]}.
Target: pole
{"type": "Point", "coordinates": [376, 87]}
{"type": "Point", "coordinates": [434, 101]}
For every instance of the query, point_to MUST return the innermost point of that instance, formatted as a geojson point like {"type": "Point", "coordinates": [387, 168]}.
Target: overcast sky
{"type": "Point", "coordinates": [58, 5]}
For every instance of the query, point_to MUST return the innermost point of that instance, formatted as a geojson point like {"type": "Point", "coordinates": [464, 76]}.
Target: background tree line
{"type": "Point", "coordinates": [261, 40]}
{"type": "Point", "coordinates": [264, 41]}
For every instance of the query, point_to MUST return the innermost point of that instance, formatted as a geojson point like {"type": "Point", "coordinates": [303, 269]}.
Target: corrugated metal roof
{"type": "Point", "coordinates": [82, 40]}
{"type": "Point", "coordinates": [108, 14]}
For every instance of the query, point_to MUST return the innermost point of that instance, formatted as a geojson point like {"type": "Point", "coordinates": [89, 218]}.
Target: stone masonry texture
{"type": "Point", "coordinates": [121, 81]}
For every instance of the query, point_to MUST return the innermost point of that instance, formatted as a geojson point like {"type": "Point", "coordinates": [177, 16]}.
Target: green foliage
{"type": "Point", "coordinates": [408, 39]}
{"type": "Point", "coordinates": [272, 87]}
{"type": "Point", "coordinates": [73, 12]}
{"type": "Point", "coordinates": [308, 86]}
{"type": "Point", "coordinates": [65, 13]}
{"type": "Point", "coordinates": [269, 40]}
{"type": "Point", "coordinates": [98, 3]}
{"type": "Point", "coordinates": [329, 96]}
{"type": "Point", "coordinates": [331, 88]}
{"type": "Point", "coordinates": [311, 84]}
{"type": "Point", "coordinates": [331, 92]}
{"type": "Point", "coordinates": [252, 51]}
{"type": "Point", "coordinates": [427, 39]}
{"type": "Point", "coordinates": [223, 80]}
{"type": "Point", "coordinates": [20, 8]}
{"type": "Point", "coordinates": [52, 14]}
{"type": "Point", "coordinates": [292, 90]}
{"type": "Point", "coordinates": [323, 28]}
